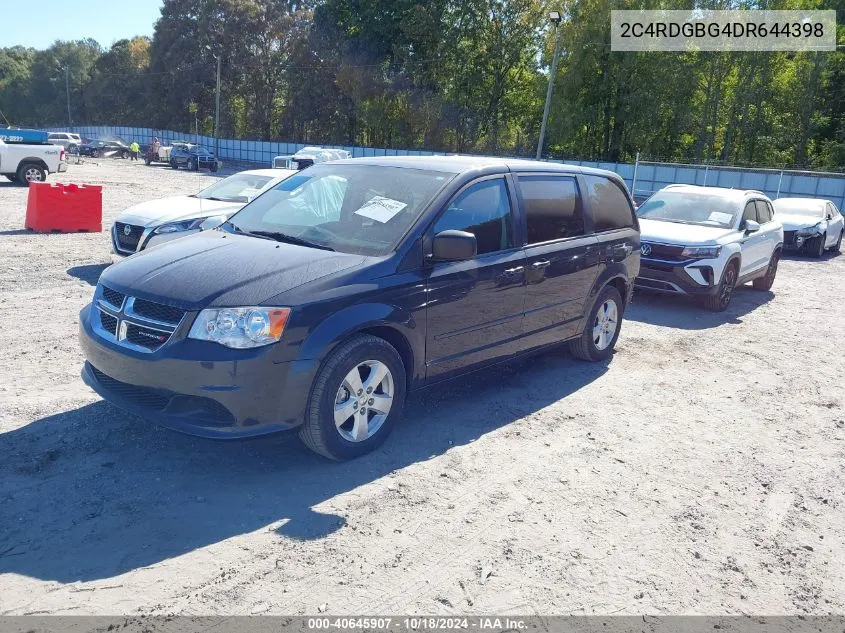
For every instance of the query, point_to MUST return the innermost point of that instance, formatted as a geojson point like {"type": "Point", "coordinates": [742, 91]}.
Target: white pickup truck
{"type": "Point", "coordinates": [30, 163]}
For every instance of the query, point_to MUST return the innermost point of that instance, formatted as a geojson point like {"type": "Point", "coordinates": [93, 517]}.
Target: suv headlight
{"type": "Point", "coordinates": [810, 230]}
{"type": "Point", "coordinates": [701, 252]}
{"type": "Point", "coordinates": [240, 328]}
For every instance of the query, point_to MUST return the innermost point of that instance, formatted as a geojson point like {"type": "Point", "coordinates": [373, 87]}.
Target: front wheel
{"type": "Point", "coordinates": [766, 282]}
{"type": "Point", "coordinates": [837, 248]}
{"type": "Point", "coordinates": [720, 301]}
{"type": "Point", "coordinates": [356, 399]}
{"type": "Point", "coordinates": [602, 327]}
{"type": "Point", "coordinates": [174, 164]}
{"type": "Point", "coordinates": [815, 248]}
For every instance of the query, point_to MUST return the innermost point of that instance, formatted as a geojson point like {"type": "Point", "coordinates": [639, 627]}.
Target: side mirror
{"type": "Point", "coordinates": [213, 222]}
{"type": "Point", "coordinates": [454, 246]}
{"type": "Point", "coordinates": [751, 226]}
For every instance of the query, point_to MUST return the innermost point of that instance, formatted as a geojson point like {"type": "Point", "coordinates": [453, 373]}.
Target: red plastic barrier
{"type": "Point", "coordinates": [64, 208]}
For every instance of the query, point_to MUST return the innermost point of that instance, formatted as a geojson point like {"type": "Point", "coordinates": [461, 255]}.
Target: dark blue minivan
{"type": "Point", "coordinates": [321, 303]}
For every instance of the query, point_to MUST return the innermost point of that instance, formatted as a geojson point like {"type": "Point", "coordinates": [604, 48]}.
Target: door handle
{"type": "Point", "coordinates": [514, 271]}
{"type": "Point", "coordinates": [545, 263]}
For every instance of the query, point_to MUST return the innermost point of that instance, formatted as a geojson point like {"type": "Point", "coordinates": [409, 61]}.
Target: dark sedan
{"type": "Point", "coordinates": [321, 303]}
{"type": "Point", "coordinates": [98, 148]}
{"type": "Point", "coordinates": [192, 157]}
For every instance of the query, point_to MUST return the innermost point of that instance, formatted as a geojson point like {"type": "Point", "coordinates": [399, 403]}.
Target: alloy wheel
{"type": "Point", "coordinates": [728, 284]}
{"type": "Point", "coordinates": [773, 269]}
{"type": "Point", "coordinates": [32, 174]}
{"type": "Point", "coordinates": [604, 326]}
{"type": "Point", "coordinates": [363, 401]}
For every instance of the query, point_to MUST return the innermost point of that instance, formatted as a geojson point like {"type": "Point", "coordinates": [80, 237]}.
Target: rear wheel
{"type": "Point", "coordinates": [719, 301]}
{"type": "Point", "coordinates": [766, 282]}
{"type": "Point", "coordinates": [31, 172]}
{"type": "Point", "coordinates": [602, 327]}
{"type": "Point", "coordinates": [356, 399]}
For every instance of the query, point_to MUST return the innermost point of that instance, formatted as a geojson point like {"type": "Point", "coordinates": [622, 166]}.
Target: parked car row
{"type": "Point", "coordinates": [315, 300]}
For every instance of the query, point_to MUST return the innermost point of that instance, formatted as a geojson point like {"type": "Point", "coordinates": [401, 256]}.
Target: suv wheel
{"type": "Point", "coordinates": [356, 399]}
{"type": "Point", "coordinates": [766, 282]}
{"type": "Point", "coordinates": [602, 327]}
{"type": "Point", "coordinates": [719, 301]}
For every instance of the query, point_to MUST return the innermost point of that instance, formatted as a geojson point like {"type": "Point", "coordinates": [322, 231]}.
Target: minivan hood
{"type": "Point", "coordinates": [795, 222]}
{"type": "Point", "coordinates": [216, 269]}
{"type": "Point", "coordinates": [681, 234]}
{"type": "Point", "coordinates": [156, 212]}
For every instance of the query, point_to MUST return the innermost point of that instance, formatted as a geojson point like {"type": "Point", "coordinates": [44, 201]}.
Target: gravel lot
{"type": "Point", "coordinates": [700, 471]}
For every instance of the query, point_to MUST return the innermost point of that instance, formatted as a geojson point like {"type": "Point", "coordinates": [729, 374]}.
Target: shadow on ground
{"type": "Point", "coordinates": [687, 314]}
{"type": "Point", "coordinates": [92, 493]}
{"type": "Point", "coordinates": [89, 273]}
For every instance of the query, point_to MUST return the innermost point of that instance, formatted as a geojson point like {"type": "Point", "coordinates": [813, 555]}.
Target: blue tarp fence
{"type": "Point", "coordinates": [642, 177]}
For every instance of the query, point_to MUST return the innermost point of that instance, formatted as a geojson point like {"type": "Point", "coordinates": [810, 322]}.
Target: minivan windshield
{"type": "Point", "coordinates": [690, 208]}
{"type": "Point", "coordinates": [352, 208]}
{"type": "Point", "coordinates": [235, 188]}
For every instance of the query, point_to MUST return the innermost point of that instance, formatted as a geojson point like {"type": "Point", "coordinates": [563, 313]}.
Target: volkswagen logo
{"type": "Point", "coordinates": [127, 229]}
{"type": "Point", "coordinates": [645, 250]}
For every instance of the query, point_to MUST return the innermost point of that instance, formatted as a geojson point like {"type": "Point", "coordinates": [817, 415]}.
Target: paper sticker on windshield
{"type": "Point", "coordinates": [381, 209]}
{"type": "Point", "coordinates": [721, 218]}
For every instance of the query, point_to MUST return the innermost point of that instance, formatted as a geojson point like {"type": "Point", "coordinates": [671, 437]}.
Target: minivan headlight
{"type": "Point", "coordinates": [701, 252]}
{"type": "Point", "coordinates": [240, 328]}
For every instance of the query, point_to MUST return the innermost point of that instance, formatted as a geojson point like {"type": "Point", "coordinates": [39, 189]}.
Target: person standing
{"type": "Point", "coordinates": [134, 148]}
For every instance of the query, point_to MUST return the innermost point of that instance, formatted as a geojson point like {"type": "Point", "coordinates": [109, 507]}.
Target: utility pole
{"type": "Point", "coordinates": [217, 113]}
{"type": "Point", "coordinates": [554, 16]}
{"type": "Point", "coordinates": [67, 91]}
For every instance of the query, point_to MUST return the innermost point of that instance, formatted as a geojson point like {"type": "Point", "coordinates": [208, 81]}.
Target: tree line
{"type": "Point", "coordinates": [465, 76]}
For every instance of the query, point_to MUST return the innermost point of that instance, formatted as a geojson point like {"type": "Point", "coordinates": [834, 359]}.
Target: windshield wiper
{"type": "Point", "coordinates": [288, 239]}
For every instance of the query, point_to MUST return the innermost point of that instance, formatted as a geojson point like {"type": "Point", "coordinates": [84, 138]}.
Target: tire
{"type": "Point", "coordinates": [837, 248]}
{"type": "Point", "coordinates": [597, 340]}
{"type": "Point", "coordinates": [326, 431]}
{"type": "Point", "coordinates": [815, 247]}
{"type": "Point", "coordinates": [147, 161]}
{"type": "Point", "coordinates": [12, 177]}
{"type": "Point", "coordinates": [194, 165]}
{"type": "Point", "coordinates": [30, 172]}
{"type": "Point", "coordinates": [766, 282]}
{"type": "Point", "coordinates": [720, 301]}
{"type": "Point", "coordinates": [124, 154]}
{"type": "Point", "coordinates": [97, 153]}
{"type": "Point", "coordinates": [174, 164]}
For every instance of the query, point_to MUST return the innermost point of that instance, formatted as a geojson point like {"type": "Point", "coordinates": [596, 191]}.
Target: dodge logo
{"type": "Point", "coordinates": [127, 230]}
{"type": "Point", "coordinates": [645, 250]}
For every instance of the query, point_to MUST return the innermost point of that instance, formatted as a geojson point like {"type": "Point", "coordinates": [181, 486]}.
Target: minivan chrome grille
{"type": "Point", "coordinates": [138, 324]}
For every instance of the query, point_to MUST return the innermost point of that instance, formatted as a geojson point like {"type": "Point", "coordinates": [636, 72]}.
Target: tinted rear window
{"type": "Point", "coordinates": [609, 204]}
{"type": "Point", "coordinates": [552, 207]}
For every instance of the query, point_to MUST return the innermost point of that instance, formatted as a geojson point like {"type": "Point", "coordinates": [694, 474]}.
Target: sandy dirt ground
{"type": "Point", "coordinates": [700, 471]}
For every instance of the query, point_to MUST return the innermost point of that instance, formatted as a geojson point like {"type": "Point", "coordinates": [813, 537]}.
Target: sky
{"type": "Point", "coordinates": [104, 20]}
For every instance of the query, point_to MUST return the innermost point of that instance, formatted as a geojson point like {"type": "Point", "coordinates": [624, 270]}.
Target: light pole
{"type": "Point", "coordinates": [66, 70]}
{"type": "Point", "coordinates": [219, 59]}
{"type": "Point", "coordinates": [554, 16]}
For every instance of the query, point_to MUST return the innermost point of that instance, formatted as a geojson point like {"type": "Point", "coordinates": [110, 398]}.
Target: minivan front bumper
{"type": "Point", "coordinates": [199, 388]}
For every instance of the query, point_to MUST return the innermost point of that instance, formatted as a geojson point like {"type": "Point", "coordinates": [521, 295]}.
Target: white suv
{"type": "Point", "coordinates": [704, 241]}
{"type": "Point", "coordinates": [65, 139]}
